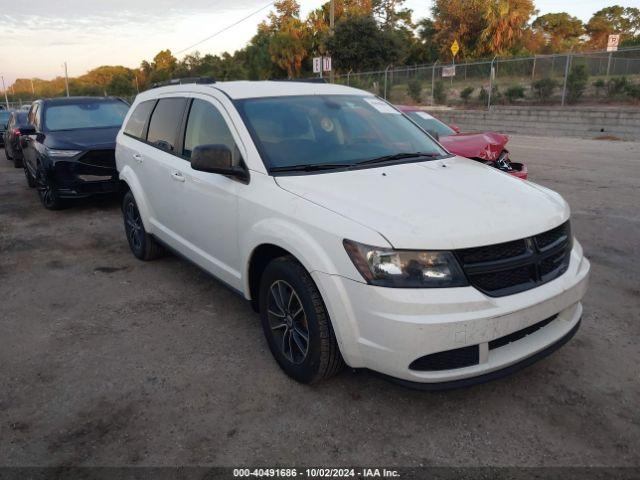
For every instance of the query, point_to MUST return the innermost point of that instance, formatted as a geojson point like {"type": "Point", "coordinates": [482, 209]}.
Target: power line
{"type": "Point", "coordinates": [226, 28]}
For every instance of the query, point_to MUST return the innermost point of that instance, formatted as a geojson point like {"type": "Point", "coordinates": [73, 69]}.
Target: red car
{"type": "Point", "coordinates": [486, 147]}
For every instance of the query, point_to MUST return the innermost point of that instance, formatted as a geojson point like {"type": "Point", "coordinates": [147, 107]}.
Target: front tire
{"type": "Point", "coordinates": [296, 323]}
{"type": "Point", "coordinates": [142, 245]}
{"type": "Point", "coordinates": [47, 191]}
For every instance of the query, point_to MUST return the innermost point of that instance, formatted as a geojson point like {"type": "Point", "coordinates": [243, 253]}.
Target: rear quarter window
{"type": "Point", "coordinates": [138, 119]}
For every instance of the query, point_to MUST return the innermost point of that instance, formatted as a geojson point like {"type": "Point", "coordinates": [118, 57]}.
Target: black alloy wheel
{"type": "Point", "coordinates": [46, 190]}
{"type": "Point", "coordinates": [288, 321]}
{"type": "Point", "coordinates": [142, 245]}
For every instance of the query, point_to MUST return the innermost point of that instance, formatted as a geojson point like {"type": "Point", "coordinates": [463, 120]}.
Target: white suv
{"type": "Point", "coordinates": [358, 238]}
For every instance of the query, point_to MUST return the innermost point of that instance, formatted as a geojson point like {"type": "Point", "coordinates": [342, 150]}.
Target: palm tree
{"type": "Point", "coordinates": [506, 21]}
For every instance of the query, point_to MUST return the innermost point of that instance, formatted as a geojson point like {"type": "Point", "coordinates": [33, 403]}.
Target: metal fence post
{"type": "Point", "coordinates": [386, 71]}
{"type": "Point", "coordinates": [533, 70]}
{"type": "Point", "coordinates": [566, 74]}
{"type": "Point", "coordinates": [491, 74]}
{"type": "Point", "coordinates": [433, 80]}
{"type": "Point", "coordinates": [609, 64]}
{"type": "Point", "coordinates": [348, 75]}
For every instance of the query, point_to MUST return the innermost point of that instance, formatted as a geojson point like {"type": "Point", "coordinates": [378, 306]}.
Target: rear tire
{"type": "Point", "coordinates": [296, 323]}
{"type": "Point", "coordinates": [142, 245]}
{"type": "Point", "coordinates": [30, 180]}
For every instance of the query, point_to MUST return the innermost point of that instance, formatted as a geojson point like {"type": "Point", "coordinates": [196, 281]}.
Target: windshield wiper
{"type": "Point", "coordinates": [313, 167]}
{"type": "Point", "coordinates": [397, 156]}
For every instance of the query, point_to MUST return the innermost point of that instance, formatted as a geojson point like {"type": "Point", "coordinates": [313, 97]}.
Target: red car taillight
{"type": "Point", "coordinates": [16, 132]}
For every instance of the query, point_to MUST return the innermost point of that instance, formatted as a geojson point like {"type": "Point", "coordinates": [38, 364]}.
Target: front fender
{"type": "Point", "coordinates": [128, 176]}
{"type": "Point", "coordinates": [291, 237]}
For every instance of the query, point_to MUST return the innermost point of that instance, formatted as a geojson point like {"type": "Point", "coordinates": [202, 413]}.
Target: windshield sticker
{"type": "Point", "coordinates": [424, 115]}
{"type": "Point", "coordinates": [381, 106]}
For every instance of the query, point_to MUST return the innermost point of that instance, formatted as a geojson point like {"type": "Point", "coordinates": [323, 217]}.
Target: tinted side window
{"type": "Point", "coordinates": [138, 119]}
{"type": "Point", "coordinates": [165, 120]}
{"type": "Point", "coordinates": [206, 126]}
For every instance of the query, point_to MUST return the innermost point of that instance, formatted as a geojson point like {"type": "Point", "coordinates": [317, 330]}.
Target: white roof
{"type": "Point", "coordinates": [263, 88]}
{"type": "Point", "coordinates": [268, 88]}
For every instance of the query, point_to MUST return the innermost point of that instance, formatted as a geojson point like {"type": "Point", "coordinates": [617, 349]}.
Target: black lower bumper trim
{"type": "Point", "coordinates": [468, 382]}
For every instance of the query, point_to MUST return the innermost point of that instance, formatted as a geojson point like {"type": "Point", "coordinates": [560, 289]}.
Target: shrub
{"type": "Point", "coordinates": [599, 86]}
{"type": "Point", "coordinates": [544, 88]}
{"type": "Point", "coordinates": [633, 91]}
{"type": "Point", "coordinates": [576, 83]}
{"type": "Point", "coordinates": [414, 89]}
{"type": "Point", "coordinates": [465, 94]}
{"type": "Point", "coordinates": [514, 93]}
{"type": "Point", "coordinates": [616, 86]}
{"type": "Point", "coordinates": [439, 93]}
{"type": "Point", "coordinates": [483, 95]}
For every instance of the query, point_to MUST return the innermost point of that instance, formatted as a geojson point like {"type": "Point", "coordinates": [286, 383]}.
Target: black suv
{"type": "Point", "coordinates": [69, 147]}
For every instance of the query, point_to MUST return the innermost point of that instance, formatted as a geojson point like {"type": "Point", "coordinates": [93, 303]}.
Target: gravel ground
{"type": "Point", "coordinates": [105, 360]}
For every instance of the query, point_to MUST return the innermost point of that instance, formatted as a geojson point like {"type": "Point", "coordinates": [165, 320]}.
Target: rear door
{"type": "Point", "coordinates": [160, 159]}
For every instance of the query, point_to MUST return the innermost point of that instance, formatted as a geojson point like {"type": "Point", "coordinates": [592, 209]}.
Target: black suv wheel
{"type": "Point", "coordinates": [143, 245]}
{"type": "Point", "coordinates": [296, 322]}
{"type": "Point", "coordinates": [47, 191]}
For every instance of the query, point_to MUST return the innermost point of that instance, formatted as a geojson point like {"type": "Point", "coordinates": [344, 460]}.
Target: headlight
{"type": "Point", "coordinates": [386, 267]}
{"type": "Point", "coordinates": [62, 153]}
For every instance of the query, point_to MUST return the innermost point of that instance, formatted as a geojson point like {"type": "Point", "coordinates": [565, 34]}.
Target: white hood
{"type": "Point", "coordinates": [442, 204]}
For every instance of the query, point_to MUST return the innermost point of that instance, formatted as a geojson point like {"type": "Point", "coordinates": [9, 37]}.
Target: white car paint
{"type": "Point", "coordinates": [218, 222]}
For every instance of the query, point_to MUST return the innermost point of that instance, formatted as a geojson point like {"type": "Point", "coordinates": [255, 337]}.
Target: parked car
{"type": "Point", "coordinates": [68, 147]}
{"type": "Point", "coordinates": [4, 120]}
{"type": "Point", "coordinates": [486, 147]}
{"type": "Point", "coordinates": [357, 237]}
{"type": "Point", "coordinates": [11, 137]}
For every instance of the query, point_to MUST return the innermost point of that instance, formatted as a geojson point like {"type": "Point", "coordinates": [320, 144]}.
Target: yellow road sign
{"type": "Point", "coordinates": [455, 48]}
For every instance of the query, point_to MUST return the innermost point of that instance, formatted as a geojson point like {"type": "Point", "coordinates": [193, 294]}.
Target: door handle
{"type": "Point", "coordinates": [177, 176]}
{"type": "Point", "coordinates": [137, 157]}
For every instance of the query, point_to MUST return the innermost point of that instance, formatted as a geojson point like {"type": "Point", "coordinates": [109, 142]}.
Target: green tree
{"type": "Point", "coordinates": [360, 44]}
{"type": "Point", "coordinates": [577, 81]}
{"type": "Point", "coordinates": [562, 30]}
{"type": "Point", "coordinates": [506, 20]}
{"type": "Point", "coordinates": [614, 19]}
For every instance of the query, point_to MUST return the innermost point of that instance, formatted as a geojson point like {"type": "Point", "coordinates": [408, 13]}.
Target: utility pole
{"type": "Point", "coordinates": [332, 13]}
{"type": "Point", "coordinates": [6, 99]}
{"type": "Point", "coordinates": [66, 78]}
{"type": "Point", "coordinates": [137, 86]}
{"type": "Point", "coordinates": [33, 90]}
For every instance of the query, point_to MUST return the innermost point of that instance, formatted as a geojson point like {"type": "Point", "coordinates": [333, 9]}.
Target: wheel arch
{"type": "Point", "coordinates": [129, 182]}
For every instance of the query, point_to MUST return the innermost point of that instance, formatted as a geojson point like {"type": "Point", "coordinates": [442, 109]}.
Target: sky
{"type": "Point", "coordinates": [90, 33]}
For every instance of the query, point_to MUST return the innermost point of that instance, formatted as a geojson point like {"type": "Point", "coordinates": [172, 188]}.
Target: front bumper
{"type": "Point", "coordinates": [386, 329]}
{"type": "Point", "coordinates": [73, 178]}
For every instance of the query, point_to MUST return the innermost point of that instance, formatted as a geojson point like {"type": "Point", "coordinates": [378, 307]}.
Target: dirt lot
{"type": "Point", "coordinates": [105, 360]}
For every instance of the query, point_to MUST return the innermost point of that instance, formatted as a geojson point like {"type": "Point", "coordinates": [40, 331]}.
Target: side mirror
{"type": "Point", "coordinates": [455, 128]}
{"type": "Point", "coordinates": [27, 130]}
{"type": "Point", "coordinates": [434, 134]}
{"type": "Point", "coordinates": [216, 159]}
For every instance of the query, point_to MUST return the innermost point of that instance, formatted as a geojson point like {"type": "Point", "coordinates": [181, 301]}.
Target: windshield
{"type": "Point", "coordinates": [4, 116]}
{"type": "Point", "coordinates": [85, 115]}
{"type": "Point", "coordinates": [431, 124]}
{"type": "Point", "coordinates": [330, 129]}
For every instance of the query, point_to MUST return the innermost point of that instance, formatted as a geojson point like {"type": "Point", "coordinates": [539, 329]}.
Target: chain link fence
{"type": "Point", "coordinates": [600, 77]}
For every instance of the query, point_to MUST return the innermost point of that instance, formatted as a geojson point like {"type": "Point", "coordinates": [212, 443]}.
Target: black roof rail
{"type": "Point", "coordinates": [301, 80]}
{"type": "Point", "coordinates": [182, 81]}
